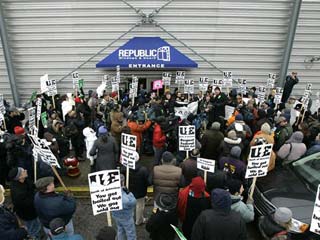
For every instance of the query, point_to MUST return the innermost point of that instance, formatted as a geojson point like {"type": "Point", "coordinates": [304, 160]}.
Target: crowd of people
{"type": "Point", "coordinates": [89, 128]}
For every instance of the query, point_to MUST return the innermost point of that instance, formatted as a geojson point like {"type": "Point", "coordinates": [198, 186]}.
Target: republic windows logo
{"type": "Point", "coordinates": [161, 54]}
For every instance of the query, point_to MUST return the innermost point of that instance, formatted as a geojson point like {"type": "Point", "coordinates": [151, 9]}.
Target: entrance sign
{"type": "Point", "coordinates": [147, 53]}
{"type": "Point", "coordinates": [258, 161]}
{"type": "Point", "coordinates": [105, 191]}
{"type": "Point", "coordinates": [315, 220]}
{"type": "Point", "coordinates": [187, 138]}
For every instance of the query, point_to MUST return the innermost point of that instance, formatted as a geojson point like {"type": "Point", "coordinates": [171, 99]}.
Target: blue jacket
{"type": "Point", "coordinates": [64, 236]}
{"type": "Point", "coordinates": [53, 205]}
{"type": "Point", "coordinates": [315, 147]}
{"type": "Point", "coordinates": [9, 228]}
{"type": "Point", "coordinates": [128, 204]}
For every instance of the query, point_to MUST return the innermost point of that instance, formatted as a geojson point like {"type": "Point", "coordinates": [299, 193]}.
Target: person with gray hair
{"type": "Point", "coordinates": [211, 142]}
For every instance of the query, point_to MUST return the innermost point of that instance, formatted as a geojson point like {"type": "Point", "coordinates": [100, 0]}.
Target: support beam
{"type": "Point", "coordinates": [8, 58]}
{"type": "Point", "coordinates": [289, 42]}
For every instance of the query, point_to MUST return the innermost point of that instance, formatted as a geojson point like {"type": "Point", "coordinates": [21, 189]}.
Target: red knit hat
{"type": "Point", "coordinates": [19, 130]}
{"type": "Point", "coordinates": [114, 94]}
{"type": "Point", "coordinates": [78, 100]}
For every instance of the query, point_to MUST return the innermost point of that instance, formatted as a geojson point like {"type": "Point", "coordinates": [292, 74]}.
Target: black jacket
{"type": "Point", "coordinates": [22, 195]}
{"type": "Point", "coordinates": [269, 228]}
{"type": "Point", "coordinates": [53, 205]}
{"type": "Point", "coordinates": [9, 228]}
{"type": "Point", "coordinates": [159, 225]}
{"type": "Point", "coordinates": [215, 224]}
{"type": "Point", "coordinates": [139, 181]}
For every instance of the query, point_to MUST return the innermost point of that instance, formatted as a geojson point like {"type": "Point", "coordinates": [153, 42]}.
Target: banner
{"type": "Point", "coordinates": [228, 111]}
{"type": "Point", "coordinates": [128, 150]}
{"type": "Point", "coordinates": [187, 138]}
{"type": "Point", "coordinates": [157, 84]}
{"type": "Point", "coordinates": [41, 147]}
{"type": "Point", "coordinates": [258, 161]}
{"type": "Point", "coordinates": [105, 191]}
{"type": "Point", "coordinates": [184, 112]}
{"type": "Point", "coordinates": [166, 78]}
{"type": "Point", "coordinates": [189, 86]}
{"type": "Point", "coordinates": [206, 164]}
{"type": "Point", "coordinates": [180, 75]}
{"type": "Point", "coordinates": [315, 220]}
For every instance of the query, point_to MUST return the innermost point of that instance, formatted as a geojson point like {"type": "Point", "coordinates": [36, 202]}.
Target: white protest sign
{"type": "Point", "coordinates": [166, 78]}
{"type": "Point", "coordinates": [52, 87]}
{"type": "Point", "coordinates": [118, 74]}
{"type": "Point", "coordinates": [187, 138]}
{"type": "Point", "coordinates": [1, 118]}
{"type": "Point", "coordinates": [278, 95]}
{"type": "Point", "coordinates": [75, 79]}
{"type": "Point", "coordinates": [227, 79]}
{"type": "Point", "coordinates": [228, 111]}
{"type": "Point", "coordinates": [180, 75]}
{"type": "Point", "coordinates": [271, 80]}
{"type": "Point", "coordinates": [2, 107]}
{"type": "Point", "coordinates": [32, 118]}
{"type": "Point", "coordinates": [203, 84]}
{"type": "Point", "coordinates": [242, 86]}
{"type": "Point", "coordinates": [105, 191]}
{"type": "Point", "coordinates": [43, 83]}
{"type": "Point", "coordinates": [184, 112]}
{"type": "Point", "coordinates": [258, 161]}
{"type": "Point", "coordinates": [308, 87]}
{"type": "Point", "coordinates": [315, 220]}
{"type": "Point", "coordinates": [128, 150]}
{"type": "Point", "coordinates": [206, 164]}
{"type": "Point", "coordinates": [189, 86]}
{"type": "Point", "coordinates": [41, 146]}
{"type": "Point", "coordinates": [39, 105]}
{"type": "Point", "coordinates": [261, 93]}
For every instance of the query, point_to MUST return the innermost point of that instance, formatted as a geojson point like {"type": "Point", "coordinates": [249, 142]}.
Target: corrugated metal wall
{"type": "Point", "coordinates": [243, 36]}
{"type": "Point", "coordinates": [4, 81]}
{"type": "Point", "coordinates": [306, 46]}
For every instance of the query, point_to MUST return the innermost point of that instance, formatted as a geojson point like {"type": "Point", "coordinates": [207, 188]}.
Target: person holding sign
{"type": "Point", "coordinates": [124, 218]}
{"type": "Point", "coordinates": [106, 149]}
{"type": "Point", "coordinates": [159, 140]}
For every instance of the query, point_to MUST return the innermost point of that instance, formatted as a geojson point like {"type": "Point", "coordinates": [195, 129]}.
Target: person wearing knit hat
{"type": "Point", "coordinates": [233, 165]}
{"type": "Point", "coordinates": [216, 126]}
{"type": "Point", "coordinates": [219, 222]}
{"type": "Point", "coordinates": [18, 131]}
{"type": "Point", "coordinates": [265, 128]}
{"type": "Point", "coordinates": [102, 131]}
{"type": "Point", "coordinates": [230, 141]}
{"type": "Point", "coordinates": [276, 224]}
{"type": "Point", "coordinates": [211, 142]}
{"type": "Point", "coordinates": [9, 226]}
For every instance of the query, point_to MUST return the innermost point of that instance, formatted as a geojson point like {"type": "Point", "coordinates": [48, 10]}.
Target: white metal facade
{"type": "Point", "coordinates": [4, 81]}
{"type": "Point", "coordinates": [246, 37]}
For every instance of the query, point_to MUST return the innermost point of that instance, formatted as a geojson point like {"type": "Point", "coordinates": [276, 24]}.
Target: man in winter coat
{"type": "Point", "coordinates": [236, 189]}
{"type": "Point", "coordinates": [315, 146]}
{"type": "Point", "coordinates": [159, 140]}
{"type": "Point", "coordinates": [58, 132]}
{"type": "Point", "coordinates": [138, 185]}
{"type": "Point", "coordinates": [220, 222]}
{"type": "Point", "coordinates": [137, 128]}
{"type": "Point", "coordinates": [291, 80]}
{"type": "Point", "coordinates": [218, 103]}
{"type": "Point", "coordinates": [283, 132]}
{"type": "Point", "coordinates": [9, 226]}
{"type": "Point", "coordinates": [211, 142]}
{"type": "Point", "coordinates": [230, 141]}
{"type": "Point", "coordinates": [166, 177]}
{"type": "Point", "coordinates": [124, 218]}
{"type": "Point", "coordinates": [117, 126]}
{"type": "Point", "coordinates": [22, 195]}
{"type": "Point", "coordinates": [50, 205]}
{"type": "Point", "coordinates": [159, 223]}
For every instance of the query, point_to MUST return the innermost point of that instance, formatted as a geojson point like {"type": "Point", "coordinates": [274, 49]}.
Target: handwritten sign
{"type": "Point", "coordinates": [258, 161]}
{"type": "Point", "coordinates": [315, 220]}
{"type": "Point", "coordinates": [128, 150]}
{"type": "Point", "coordinates": [157, 84]}
{"type": "Point", "coordinates": [166, 78]}
{"type": "Point", "coordinates": [187, 138]}
{"type": "Point", "coordinates": [105, 191]}
{"type": "Point", "coordinates": [206, 164]}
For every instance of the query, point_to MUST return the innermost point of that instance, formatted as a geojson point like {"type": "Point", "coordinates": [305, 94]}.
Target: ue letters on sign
{"type": "Point", "coordinates": [128, 150]}
{"type": "Point", "coordinates": [315, 220]}
{"type": "Point", "coordinates": [258, 161]}
{"type": "Point", "coordinates": [105, 191]}
{"type": "Point", "coordinates": [187, 138]}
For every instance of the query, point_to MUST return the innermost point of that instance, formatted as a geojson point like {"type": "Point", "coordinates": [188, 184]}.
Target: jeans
{"type": "Point", "coordinates": [140, 210]}
{"type": "Point", "coordinates": [33, 228]}
{"type": "Point", "coordinates": [69, 229]}
{"type": "Point", "coordinates": [126, 229]}
{"type": "Point", "coordinates": [158, 155]}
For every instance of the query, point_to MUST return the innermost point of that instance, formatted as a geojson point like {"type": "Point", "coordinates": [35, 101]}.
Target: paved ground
{"type": "Point", "coordinates": [88, 225]}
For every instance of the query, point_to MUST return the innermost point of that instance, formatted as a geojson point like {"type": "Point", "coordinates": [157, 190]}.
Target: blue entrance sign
{"type": "Point", "coordinates": [147, 52]}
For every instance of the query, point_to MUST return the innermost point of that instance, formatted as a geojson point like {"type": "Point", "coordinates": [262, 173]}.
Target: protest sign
{"type": "Point", "coordinates": [261, 93]}
{"type": "Point", "coordinates": [189, 86]}
{"type": "Point", "coordinates": [128, 152]}
{"type": "Point", "coordinates": [39, 105]}
{"type": "Point", "coordinates": [2, 120]}
{"type": "Point", "coordinates": [203, 84]}
{"type": "Point", "coordinates": [32, 118]}
{"type": "Point", "coordinates": [227, 79]}
{"type": "Point", "coordinates": [105, 191]}
{"type": "Point", "coordinates": [180, 75]}
{"type": "Point", "coordinates": [258, 161]}
{"type": "Point", "coordinates": [217, 83]}
{"type": "Point", "coordinates": [2, 107]}
{"type": "Point", "coordinates": [44, 119]}
{"type": "Point", "coordinates": [228, 111]}
{"type": "Point", "coordinates": [242, 88]}
{"type": "Point", "coordinates": [75, 79]}
{"type": "Point", "coordinates": [166, 78]}
{"type": "Point", "coordinates": [80, 83]}
{"type": "Point", "coordinates": [315, 220]}
{"type": "Point", "coordinates": [278, 95]}
{"type": "Point", "coordinates": [157, 84]}
{"type": "Point", "coordinates": [43, 83]}
{"type": "Point", "coordinates": [206, 164]}
{"type": "Point", "coordinates": [41, 146]}
{"type": "Point", "coordinates": [178, 232]}
{"type": "Point", "coordinates": [271, 80]}
{"type": "Point", "coordinates": [308, 87]}
{"type": "Point", "coordinates": [187, 138]}
{"type": "Point", "coordinates": [118, 74]}
{"type": "Point", "coordinates": [184, 112]}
